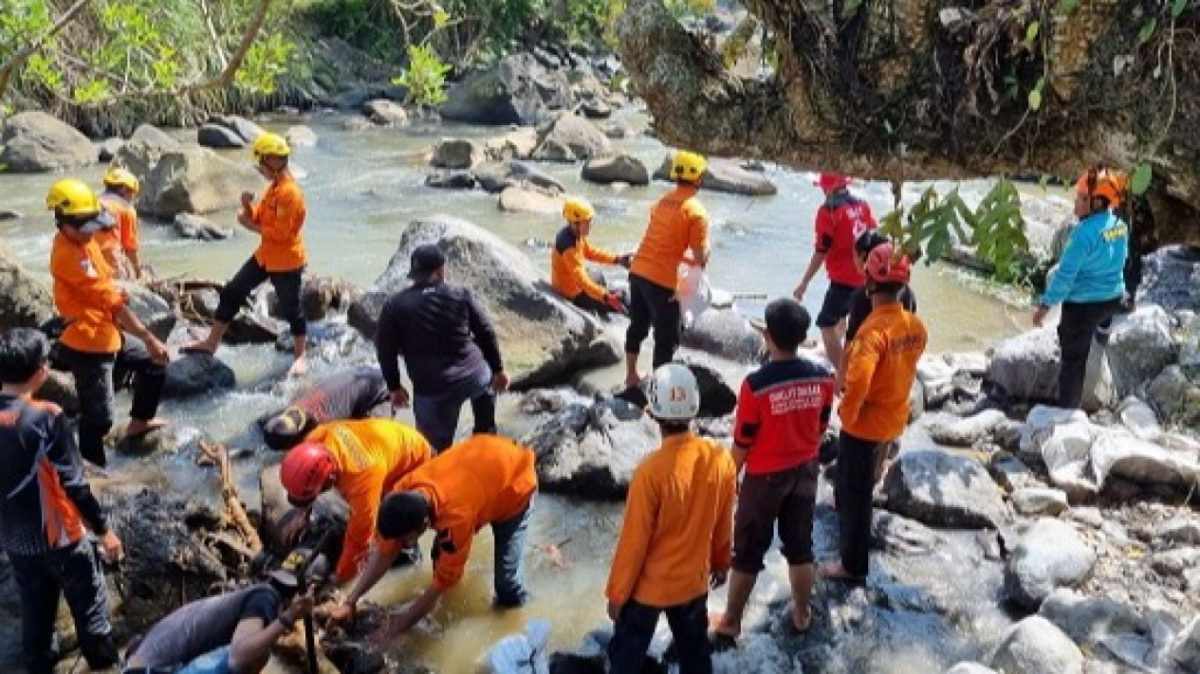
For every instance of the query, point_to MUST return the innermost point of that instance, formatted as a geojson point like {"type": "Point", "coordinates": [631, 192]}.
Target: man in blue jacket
{"type": "Point", "coordinates": [1090, 282]}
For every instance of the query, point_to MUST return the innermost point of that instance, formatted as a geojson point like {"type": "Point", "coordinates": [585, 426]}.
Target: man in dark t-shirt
{"type": "Point", "coordinates": [349, 394]}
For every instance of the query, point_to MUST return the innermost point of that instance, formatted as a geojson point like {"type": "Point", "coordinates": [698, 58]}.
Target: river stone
{"type": "Point", "coordinates": [59, 389]}
{"type": "Point", "coordinates": [300, 135]}
{"type": "Point", "coordinates": [195, 180]}
{"type": "Point", "coordinates": [1036, 646]}
{"type": "Point", "coordinates": [1033, 501]}
{"type": "Point", "coordinates": [970, 668]}
{"type": "Point", "coordinates": [944, 490]}
{"type": "Point", "coordinates": [245, 129]}
{"type": "Point", "coordinates": [583, 139]}
{"type": "Point", "coordinates": [622, 168]}
{"type": "Point", "coordinates": [1140, 419]}
{"type": "Point", "coordinates": [1180, 530]}
{"type": "Point", "coordinates": [1120, 454]}
{"type": "Point", "coordinates": [142, 151]}
{"type": "Point", "coordinates": [1087, 619]}
{"type": "Point", "coordinates": [383, 112]}
{"type": "Point", "coordinates": [899, 535]}
{"type": "Point", "coordinates": [516, 144]}
{"type": "Point", "coordinates": [725, 333]}
{"type": "Point", "coordinates": [193, 374]}
{"type": "Point", "coordinates": [25, 302]}
{"type": "Point", "coordinates": [219, 137]}
{"type": "Point", "coordinates": [544, 339]}
{"type": "Point", "coordinates": [947, 429]}
{"type": "Point", "coordinates": [320, 296]}
{"type": "Point", "coordinates": [455, 153]}
{"type": "Point", "coordinates": [450, 180]}
{"type": "Point", "coordinates": [717, 397]}
{"type": "Point", "coordinates": [1175, 562]}
{"type": "Point", "coordinates": [596, 108]}
{"type": "Point", "coordinates": [192, 226]}
{"type": "Point", "coordinates": [1026, 367]}
{"type": "Point", "coordinates": [1169, 389]}
{"type": "Point", "coordinates": [1171, 278]}
{"type": "Point", "coordinates": [1140, 346]}
{"type": "Point", "coordinates": [529, 200]}
{"type": "Point", "coordinates": [725, 175]}
{"type": "Point", "coordinates": [496, 176]}
{"type": "Point", "coordinates": [1050, 555]}
{"type": "Point", "coordinates": [107, 149]}
{"type": "Point", "coordinates": [517, 90]}
{"type": "Point", "coordinates": [33, 142]}
{"type": "Point", "coordinates": [152, 310]}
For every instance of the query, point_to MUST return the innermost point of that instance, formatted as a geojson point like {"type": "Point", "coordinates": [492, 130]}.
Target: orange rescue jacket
{"type": "Point", "coordinates": [86, 295]}
{"type": "Point", "coordinates": [126, 234]}
{"type": "Point", "coordinates": [280, 213]}
{"type": "Point", "coordinates": [881, 362]}
{"type": "Point", "coordinates": [568, 274]}
{"type": "Point", "coordinates": [678, 222]}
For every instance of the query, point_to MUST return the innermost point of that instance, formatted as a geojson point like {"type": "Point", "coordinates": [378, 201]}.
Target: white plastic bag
{"type": "Point", "coordinates": [522, 653]}
{"type": "Point", "coordinates": [694, 293]}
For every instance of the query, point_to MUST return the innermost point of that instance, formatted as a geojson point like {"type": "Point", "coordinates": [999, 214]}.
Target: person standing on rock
{"type": "Point", "coordinates": [120, 244]}
{"type": "Point", "coordinates": [678, 224]}
{"type": "Point", "coordinates": [350, 394]}
{"type": "Point", "coordinates": [95, 310]}
{"type": "Point", "coordinates": [485, 480]}
{"type": "Point", "coordinates": [45, 505]}
{"type": "Point", "coordinates": [675, 541]}
{"type": "Point", "coordinates": [1090, 281]}
{"type": "Point", "coordinates": [782, 411]}
{"type": "Point", "coordinates": [278, 218]}
{"type": "Point", "coordinates": [840, 221]}
{"type": "Point", "coordinates": [860, 303]}
{"type": "Point", "coordinates": [569, 275]}
{"type": "Point", "coordinates": [362, 460]}
{"type": "Point", "coordinates": [881, 364]}
{"type": "Point", "coordinates": [449, 347]}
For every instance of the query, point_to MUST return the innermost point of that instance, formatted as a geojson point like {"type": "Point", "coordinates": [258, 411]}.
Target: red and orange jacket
{"type": "Point", "coordinates": [280, 213]}
{"type": "Point", "coordinates": [126, 234]}
{"type": "Point", "coordinates": [678, 222]}
{"type": "Point", "coordinates": [86, 295]}
{"type": "Point", "coordinates": [568, 274]}
{"type": "Point", "coordinates": [881, 363]}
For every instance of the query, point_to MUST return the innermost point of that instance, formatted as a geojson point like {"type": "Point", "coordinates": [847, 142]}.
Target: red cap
{"type": "Point", "coordinates": [886, 264]}
{"type": "Point", "coordinates": [829, 182]}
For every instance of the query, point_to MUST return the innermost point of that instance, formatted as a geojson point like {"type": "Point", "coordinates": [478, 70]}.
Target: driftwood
{"type": "Point", "coordinates": [219, 455]}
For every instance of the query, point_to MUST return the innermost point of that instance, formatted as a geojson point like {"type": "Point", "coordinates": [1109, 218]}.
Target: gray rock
{"type": "Point", "coordinates": [300, 135]}
{"type": "Point", "coordinates": [517, 90]}
{"type": "Point", "coordinates": [1026, 366]}
{"type": "Point", "coordinates": [1050, 555]}
{"type": "Point", "coordinates": [725, 333]}
{"type": "Point", "coordinates": [1036, 646]}
{"type": "Point", "coordinates": [1175, 562]}
{"type": "Point", "coordinates": [1034, 501]}
{"type": "Point", "coordinates": [1119, 454]}
{"type": "Point", "coordinates": [33, 142]}
{"type": "Point", "coordinates": [622, 168]}
{"type": "Point", "coordinates": [194, 374]}
{"type": "Point", "coordinates": [496, 176]}
{"type": "Point", "coordinates": [107, 149]}
{"type": "Point", "coordinates": [245, 129]}
{"type": "Point", "coordinates": [717, 397]}
{"type": "Point", "coordinates": [544, 340]}
{"type": "Point", "coordinates": [60, 390]}
{"type": "Point", "coordinates": [1140, 346]}
{"type": "Point", "coordinates": [450, 180]}
{"type": "Point", "coordinates": [554, 150]}
{"type": "Point", "coordinates": [25, 302]}
{"type": "Point", "coordinates": [970, 668]}
{"type": "Point", "coordinates": [1087, 619]}
{"type": "Point", "coordinates": [385, 113]}
{"type": "Point", "coordinates": [947, 429]}
{"type": "Point", "coordinates": [455, 153]}
{"type": "Point", "coordinates": [320, 297]}
{"type": "Point", "coordinates": [596, 109]}
{"type": "Point", "coordinates": [529, 200]}
{"type": "Point", "coordinates": [153, 311]}
{"type": "Point", "coordinates": [944, 490]}
{"type": "Point", "coordinates": [1169, 390]}
{"type": "Point", "coordinates": [1183, 655]}
{"type": "Point", "coordinates": [900, 535]}
{"type": "Point", "coordinates": [582, 138]}
{"type": "Point", "coordinates": [1180, 530]}
{"type": "Point", "coordinates": [725, 175]}
{"type": "Point", "coordinates": [219, 137]}
{"type": "Point", "coordinates": [517, 144]}
{"type": "Point", "coordinates": [192, 226]}
{"type": "Point", "coordinates": [195, 180]}
{"type": "Point", "coordinates": [142, 151]}
{"type": "Point", "coordinates": [1171, 278]}
{"type": "Point", "coordinates": [1140, 419]}
{"type": "Point", "coordinates": [616, 130]}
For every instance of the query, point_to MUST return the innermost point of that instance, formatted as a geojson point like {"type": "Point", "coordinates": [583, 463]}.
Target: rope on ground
{"type": "Point", "coordinates": [219, 455]}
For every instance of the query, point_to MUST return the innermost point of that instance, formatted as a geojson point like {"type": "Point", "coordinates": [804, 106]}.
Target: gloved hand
{"type": "Point", "coordinates": [614, 302]}
{"type": "Point", "coordinates": [625, 260]}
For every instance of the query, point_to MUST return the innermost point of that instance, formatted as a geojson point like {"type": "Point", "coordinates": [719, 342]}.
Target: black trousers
{"type": "Point", "coordinates": [73, 572]}
{"type": "Point", "coordinates": [1078, 325]}
{"type": "Point", "coordinates": [854, 484]}
{"type": "Point", "coordinates": [635, 629]}
{"type": "Point", "coordinates": [287, 287]}
{"type": "Point", "coordinates": [96, 375]}
{"type": "Point", "coordinates": [653, 305]}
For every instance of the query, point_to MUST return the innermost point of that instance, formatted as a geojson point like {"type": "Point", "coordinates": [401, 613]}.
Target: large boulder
{"type": "Point", "coordinates": [579, 138]}
{"type": "Point", "coordinates": [1026, 367]}
{"type": "Point", "coordinates": [383, 112]}
{"type": "Point", "coordinates": [544, 340]}
{"type": "Point", "coordinates": [725, 175]}
{"type": "Point", "coordinates": [948, 429]}
{"type": "Point", "coordinates": [725, 333]}
{"type": "Point", "coordinates": [1036, 646]}
{"type": "Point", "coordinates": [516, 144]}
{"type": "Point", "coordinates": [623, 168]}
{"type": "Point", "coordinates": [107, 149]}
{"type": "Point", "coordinates": [529, 200]}
{"type": "Point", "coordinates": [1120, 454]}
{"type": "Point", "coordinates": [944, 490]}
{"type": "Point", "coordinates": [455, 153]}
{"type": "Point", "coordinates": [143, 149]}
{"type": "Point", "coordinates": [496, 176]}
{"type": "Point", "coordinates": [25, 302]}
{"type": "Point", "coordinates": [245, 129]}
{"type": "Point", "coordinates": [517, 90]}
{"type": "Point", "coordinates": [152, 310]}
{"type": "Point", "coordinates": [1171, 278]}
{"type": "Point", "coordinates": [219, 137]}
{"type": "Point", "coordinates": [1087, 619]}
{"type": "Point", "coordinates": [195, 180]}
{"type": "Point", "coordinates": [1050, 555]}
{"type": "Point", "coordinates": [1140, 346]}
{"type": "Point", "coordinates": [1032, 501]}
{"type": "Point", "coordinates": [34, 141]}
{"type": "Point", "coordinates": [194, 374]}
{"type": "Point", "coordinates": [320, 296]}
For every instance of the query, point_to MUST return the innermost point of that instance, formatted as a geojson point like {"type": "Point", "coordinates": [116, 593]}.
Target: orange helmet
{"type": "Point", "coordinates": [888, 264]}
{"type": "Point", "coordinates": [306, 471]}
{"type": "Point", "coordinates": [1102, 182]}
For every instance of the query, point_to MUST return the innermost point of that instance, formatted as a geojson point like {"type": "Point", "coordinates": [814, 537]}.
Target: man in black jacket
{"type": "Point", "coordinates": [449, 348]}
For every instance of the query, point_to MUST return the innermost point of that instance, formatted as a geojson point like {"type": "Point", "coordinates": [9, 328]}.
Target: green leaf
{"type": "Point", "coordinates": [850, 6]}
{"type": "Point", "coordinates": [1031, 33]}
{"type": "Point", "coordinates": [1067, 6]}
{"type": "Point", "coordinates": [1147, 30]}
{"type": "Point", "coordinates": [1035, 99]}
{"type": "Point", "coordinates": [1178, 7]}
{"type": "Point", "coordinates": [1140, 181]}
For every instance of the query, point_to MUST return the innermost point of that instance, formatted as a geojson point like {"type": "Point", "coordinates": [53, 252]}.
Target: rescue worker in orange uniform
{"type": "Point", "coordinates": [280, 257]}
{"type": "Point", "coordinates": [568, 274]}
{"type": "Point", "coordinates": [94, 308]}
{"type": "Point", "coordinates": [677, 538]}
{"type": "Point", "coordinates": [678, 224]}
{"type": "Point", "coordinates": [362, 460]}
{"type": "Point", "coordinates": [120, 244]}
{"type": "Point", "coordinates": [881, 363]}
{"type": "Point", "coordinates": [483, 480]}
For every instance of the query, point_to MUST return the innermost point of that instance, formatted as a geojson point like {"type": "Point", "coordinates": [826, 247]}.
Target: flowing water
{"type": "Point", "coordinates": [362, 189]}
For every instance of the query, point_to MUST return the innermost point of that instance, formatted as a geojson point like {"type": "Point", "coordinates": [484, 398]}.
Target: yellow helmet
{"type": "Point", "coordinates": [119, 177]}
{"type": "Point", "coordinates": [74, 202]}
{"type": "Point", "coordinates": [269, 145]}
{"type": "Point", "coordinates": [687, 166]}
{"type": "Point", "coordinates": [576, 211]}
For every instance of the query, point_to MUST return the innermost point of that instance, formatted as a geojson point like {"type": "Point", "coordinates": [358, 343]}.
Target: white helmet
{"type": "Point", "coordinates": [674, 395]}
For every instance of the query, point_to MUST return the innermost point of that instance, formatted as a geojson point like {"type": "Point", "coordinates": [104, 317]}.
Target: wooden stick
{"type": "Point", "coordinates": [233, 503]}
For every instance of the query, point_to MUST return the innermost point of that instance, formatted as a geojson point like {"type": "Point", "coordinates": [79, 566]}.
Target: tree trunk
{"type": "Point", "coordinates": [922, 89]}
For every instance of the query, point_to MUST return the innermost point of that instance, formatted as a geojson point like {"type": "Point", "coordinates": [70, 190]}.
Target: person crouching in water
{"type": "Point", "coordinates": [569, 276]}
{"type": "Point", "coordinates": [676, 538]}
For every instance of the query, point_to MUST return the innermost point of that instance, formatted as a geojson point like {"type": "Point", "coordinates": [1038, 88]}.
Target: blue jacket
{"type": "Point", "coordinates": [1093, 263]}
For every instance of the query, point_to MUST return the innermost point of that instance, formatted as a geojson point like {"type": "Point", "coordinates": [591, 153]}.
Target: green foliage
{"type": "Point", "coordinates": [1139, 182]}
{"type": "Point", "coordinates": [425, 76]}
{"type": "Point", "coordinates": [682, 8]}
{"type": "Point", "coordinates": [265, 62]}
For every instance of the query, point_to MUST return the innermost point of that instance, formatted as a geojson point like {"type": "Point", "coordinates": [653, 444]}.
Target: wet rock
{"type": "Point", "coordinates": [195, 180]}
{"type": "Point", "coordinates": [1088, 619]}
{"type": "Point", "coordinates": [450, 180]}
{"type": "Point", "coordinates": [1140, 346]}
{"type": "Point", "coordinates": [1180, 530]}
{"type": "Point", "coordinates": [33, 142]}
{"type": "Point", "coordinates": [455, 153]}
{"type": "Point", "coordinates": [1010, 472]}
{"type": "Point", "coordinates": [944, 490]}
{"type": "Point", "coordinates": [1032, 501]}
{"type": "Point", "coordinates": [1036, 646]}
{"type": "Point", "coordinates": [25, 302]}
{"type": "Point", "coordinates": [1140, 419]}
{"type": "Point", "coordinates": [252, 326]}
{"type": "Point", "coordinates": [1026, 367]}
{"type": "Point", "coordinates": [496, 176]}
{"type": "Point", "coordinates": [219, 137]}
{"type": "Point", "coordinates": [963, 432]}
{"type": "Point", "coordinates": [245, 129]}
{"type": "Point", "coordinates": [1183, 655]}
{"type": "Point", "coordinates": [300, 135]}
{"type": "Point", "coordinates": [517, 144]}
{"type": "Point", "coordinates": [194, 374]}
{"type": "Point", "coordinates": [725, 333]}
{"type": "Point", "coordinates": [1119, 454]}
{"type": "Point", "coordinates": [1050, 555]}
{"type": "Point", "coordinates": [152, 310]}
{"type": "Point", "coordinates": [622, 168]}
{"type": "Point", "coordinates": [529, 200]}
{"type": "Point", "coordinates": [320, 296]}
{"type": "Point", "coordinates": [616, 130]}
{"type": "Point", "coordinates": [1171, 278]}
{"type": "Point", "coordinates": [1168, 392]}
{"type": "Point", "coordinates": [60, 390]}
{"type": "Point", "coordinates": [192, 226]}
{"type": "Point", "coordinates": [517, 90]}
{"type": "Point", "coordinates": [544, 340]}
{"type": "Point", "coordinates": [725, 175]}
{"type": "Point", "coordinates": [142, 151]}
{"type": "Point", "coordinates": [970, 668]}
{"type": "Point", "coordinates": [357, 124]}
{"type": "Point", "coordinates": [383, 112]}
{"type": "Point", "coordinates": [900, 535]}
{"type": "Point", "coordinates": [581, 139]}
{"type": "Point", "coordinates": [107, 149]}
{"type": "Point", "coordinates": [717, 397]}
{"type": "Point", "coordinates": [1175, 562]}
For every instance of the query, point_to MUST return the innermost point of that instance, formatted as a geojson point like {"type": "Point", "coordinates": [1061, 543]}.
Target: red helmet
{"type": "Point", "coordinates": [306, 471]}
{"type": "Point", "coordinates": [888, 264]}
{"type": "Point", "coordinates": [829, 182]}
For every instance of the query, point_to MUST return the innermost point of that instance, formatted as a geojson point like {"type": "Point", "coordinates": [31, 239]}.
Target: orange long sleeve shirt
{"type": "Point", "coordinates": [280, 213]}
{"type": "Point", "coordinates": [481, 480]}
{"type": "Point", "coordinates": [678, 524]}
{"type": "Point", "coordinates": [126, 234]}
{"type": "Point", "coordinates": [568, 274]}
{"type": "Point", "coordinates": [881, 363]}
{"type": "Point", "coordinates": [86, 295]}
{"type": "Point", "coordinates": [371, 455]}
{"type": "Point", "coordinates": [678, 222]}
